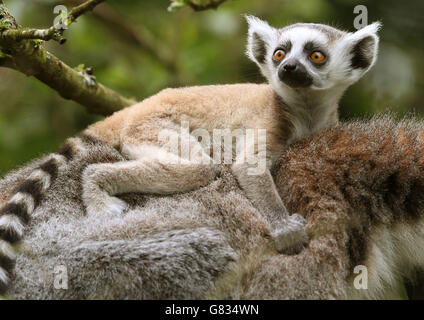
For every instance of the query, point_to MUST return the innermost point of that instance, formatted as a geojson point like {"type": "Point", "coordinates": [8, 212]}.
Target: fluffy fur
{"type": "Point", "coordinates": [285, 111]}
{"type": "Point", "coordinates": [359, 185]}
{"type": "Point", "coordinates": [348, 57]}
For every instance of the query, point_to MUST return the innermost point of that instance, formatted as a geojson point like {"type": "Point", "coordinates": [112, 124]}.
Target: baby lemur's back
{"type": "Point", "coordinates": [254, 106]}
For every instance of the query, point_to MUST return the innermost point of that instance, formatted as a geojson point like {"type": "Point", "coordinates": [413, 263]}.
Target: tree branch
{"type": "Point", "coordinates": [21, 49]}
{"type": "Point", "coordinates": [55, 32]}
{"type": "Point", "coordinates": [138, 36]}
{"type": "Point", "coordinates": [30, 58]}
{"type": "Point", "coordinates": [82, 8]}
{"type": "Point", "coordinates": [68, 82]}
{"type": "Point", "coordinates": [51, 33]}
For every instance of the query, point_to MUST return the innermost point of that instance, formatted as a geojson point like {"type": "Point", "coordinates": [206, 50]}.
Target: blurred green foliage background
{"type": "Point", "coordinates": [203, 48]}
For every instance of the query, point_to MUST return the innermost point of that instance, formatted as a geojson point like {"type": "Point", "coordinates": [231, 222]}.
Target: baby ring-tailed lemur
{"type": "Point", "coordinates": [308, 67]}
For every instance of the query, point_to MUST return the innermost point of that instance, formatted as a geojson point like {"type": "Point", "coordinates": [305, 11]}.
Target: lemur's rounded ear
{"type": "Point", "coordinates": [365, 46]}
{"type": "Point", "coordinates": [260, 33]}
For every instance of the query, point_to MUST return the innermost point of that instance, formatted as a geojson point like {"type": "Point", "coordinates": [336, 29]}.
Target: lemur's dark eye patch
{"type": "Point", "coordinates": [286, 46]}
{"type": "Point", "coordinates": [281, 52]}
{"type": "Point", "coordinates": [315, 52]}
{"type": "Point", "coordinates": [311, 46]}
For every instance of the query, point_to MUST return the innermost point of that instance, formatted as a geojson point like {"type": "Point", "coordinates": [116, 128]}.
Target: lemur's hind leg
{"type": "Point", "coordinates": [153, 171]}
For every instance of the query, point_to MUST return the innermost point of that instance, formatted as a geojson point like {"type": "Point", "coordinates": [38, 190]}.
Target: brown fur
{"type": "Point", "coordinates": [360, 187]}
{"type": "Point", "coordinates": [341, 180]}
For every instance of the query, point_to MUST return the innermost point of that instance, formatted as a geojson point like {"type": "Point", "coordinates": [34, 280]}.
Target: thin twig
{"type": "Point", "coordinates": [83, 8]}
{"type": "Point", "coordinates": [55, 32]}
{"type": "Point", "coordinates": [139, 36]}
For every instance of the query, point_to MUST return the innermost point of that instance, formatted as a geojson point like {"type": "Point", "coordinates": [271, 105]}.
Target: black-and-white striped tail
{"type": "Point", "coordinates": [15, 215]}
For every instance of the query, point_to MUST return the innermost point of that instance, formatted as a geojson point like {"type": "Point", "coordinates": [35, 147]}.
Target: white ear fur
{"type": "Point", "coordinates": [365, 46]}
{"type": "Point", "coordinates": [369, 30]}
{"type": "Point", "coordinates": [260, 33]}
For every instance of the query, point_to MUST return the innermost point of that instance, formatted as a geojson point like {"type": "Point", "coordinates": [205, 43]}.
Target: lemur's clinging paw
{"type": "Point", "coordinates": [109, 206]}
{"type": "Point", "coordinates": [97, 193]}
{"type": "Point", "coordinates": [290, 237]}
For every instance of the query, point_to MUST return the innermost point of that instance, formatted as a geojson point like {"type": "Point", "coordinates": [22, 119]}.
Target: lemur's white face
{"type": "Point", "coordinates": [314, 56]}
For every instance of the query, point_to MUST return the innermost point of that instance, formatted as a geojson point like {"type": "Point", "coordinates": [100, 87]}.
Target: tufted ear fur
{"type": "Point", "coordinates": [364, 47]}
{"type": "Point", "coordinates": [260, 33]}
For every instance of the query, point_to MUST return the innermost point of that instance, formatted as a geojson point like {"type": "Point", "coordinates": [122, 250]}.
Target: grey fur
{"type": "Point", "coordinates": [148, 167]}
{"type": "Point", "coordinates": [213, 243]}
{"type": "Point", "coordinates": [185, 262]}
{"type": "Point", "coordinates": [135, 256]}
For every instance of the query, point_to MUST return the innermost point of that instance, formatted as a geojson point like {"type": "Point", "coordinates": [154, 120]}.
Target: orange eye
{"type": "Point", "coordinates": [279, 55]}
{"type": "Point", "coordinates": [317, 57]}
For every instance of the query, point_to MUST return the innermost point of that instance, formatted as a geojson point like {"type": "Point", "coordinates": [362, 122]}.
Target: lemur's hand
{"type": "Point", "coordinates": [290, 236]}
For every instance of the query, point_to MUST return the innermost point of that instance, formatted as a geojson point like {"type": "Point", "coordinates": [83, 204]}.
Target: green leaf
{"type": "Point", "coordinates": [38, 43]}
{"type": "Point", "coordinates": [4, 24]}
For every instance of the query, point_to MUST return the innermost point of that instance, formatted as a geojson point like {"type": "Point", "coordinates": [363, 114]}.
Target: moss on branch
{"type": "Point", "coordinates": [22, 50]}
{"type": "Point", "coordinates": [29, 57]}
{"type": "Point", "coordinates": [68, 82]}
{"type": "Point", "coordinates": [55, 32]}
{"type": "Point", "coordinates": [51, 33]}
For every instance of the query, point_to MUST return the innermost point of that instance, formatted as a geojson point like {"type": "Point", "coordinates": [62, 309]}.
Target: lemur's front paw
{"type": "Point", "coordinates": [111, 206]}
{"type": "Point", "coordinates": [290, 237]}
{"type": "Point", "coordinates": [96, 199]}
{"type": "Point", "coordinates": [99, 202]}
{"type": "Point", "coordinates": [114, 206]}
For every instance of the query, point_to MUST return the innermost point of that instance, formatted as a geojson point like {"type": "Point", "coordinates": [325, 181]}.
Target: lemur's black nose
{"type": "Point", "coordinates": [290, 67]}
{"type": "Point", "coordinates": [294, 74]}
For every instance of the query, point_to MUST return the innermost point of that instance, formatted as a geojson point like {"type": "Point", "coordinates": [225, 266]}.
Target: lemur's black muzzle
{"type": "Point", "coordinates": [294, 74]}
